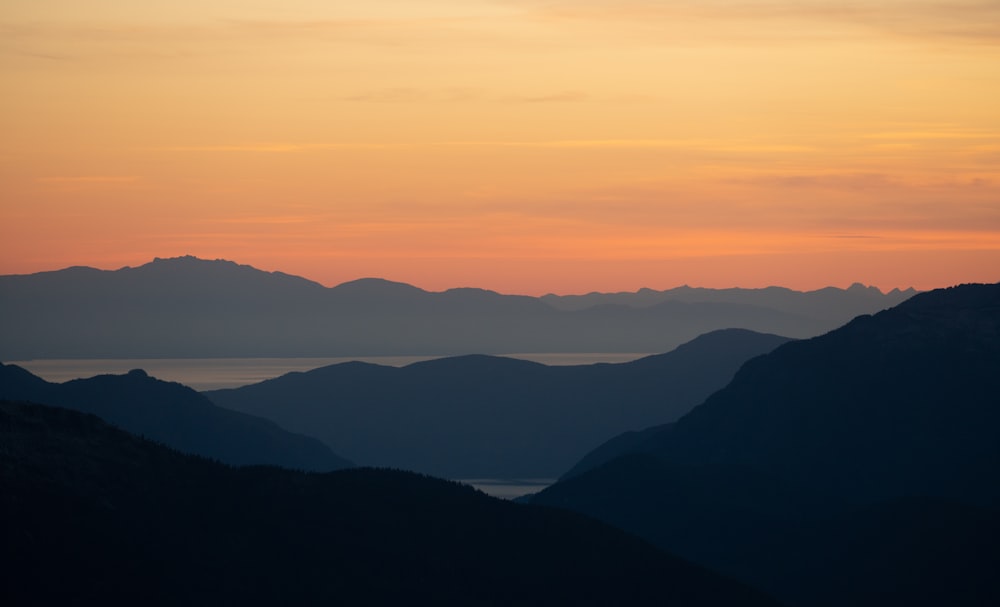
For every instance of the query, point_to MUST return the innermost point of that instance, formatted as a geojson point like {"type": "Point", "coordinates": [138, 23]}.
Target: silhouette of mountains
{"type": "Point", "coordinates": [855, 468]}
{"type": "Point", "coordinates": [92, 515]}
{"type": "Point", "coordinates": [176, 416]}
{"type": "Point", "coordinates": [187, 307]}
{"type": "Point", "coordinates": [482, 416]}
{"type": "Point", "coordinates": [831, 304]}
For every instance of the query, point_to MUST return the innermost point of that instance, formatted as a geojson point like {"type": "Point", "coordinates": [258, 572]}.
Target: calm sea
{"type": "Point", "coordinates": [508, 489]}
{"type": "Point", "coordinates": [214, 373]}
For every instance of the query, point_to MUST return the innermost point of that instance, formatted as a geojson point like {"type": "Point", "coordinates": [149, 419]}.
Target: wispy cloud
{"type": "Point", "coordinates": [461, 95]}
{"type": "Point", "coordinates": [269, 148]}
{"type": "Point", "coordinates": [933, 134]}
{"type": "Point", "coordinates": [89, 179]}
{"type": "Point", "coordinates": [561, 97]}
{"type": "Point", "coordinates": [852, 181]}
{"type": "Point", "coordinates": [268, 220]}
{"type": "Point", "coordinates": [417, 95]}
{"type": "Point", "coordinates": [690, 144]}
{"type": "Point", "coordinates": [96, 37]}
{"type": "Point", "coordinates": [969, 21]}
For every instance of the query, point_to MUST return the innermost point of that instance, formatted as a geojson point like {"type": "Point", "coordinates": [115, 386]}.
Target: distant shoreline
{"type": "Point", "coordinates": [218, 373]}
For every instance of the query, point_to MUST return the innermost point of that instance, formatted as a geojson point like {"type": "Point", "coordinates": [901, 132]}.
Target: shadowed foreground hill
{"type": "Point", "coordinates": [855, 468]}
{"type": "Point", "coordinates": [480, 416]}
{"type": "Point", "coordinates": [176, 416]}
{"type": "Point", "coordinates": [93, 515]}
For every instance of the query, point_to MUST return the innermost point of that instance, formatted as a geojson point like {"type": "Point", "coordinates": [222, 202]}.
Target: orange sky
{"type": "Point", "coordinates": [525, 146]}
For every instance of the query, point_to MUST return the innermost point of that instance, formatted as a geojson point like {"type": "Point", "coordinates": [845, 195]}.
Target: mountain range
{"type": "Point", "coordinates": [484, 416]}
{"type": "Point", "coordinates": [174, 415]}
{"type": "Point", "coordinates": [92, 515]}
{"type": "Point", "coordinates": [859, 467]}
{"type": "Point", "coordinates": [192, 308]}
{"type": "Point", "coordinates": [830, 304]}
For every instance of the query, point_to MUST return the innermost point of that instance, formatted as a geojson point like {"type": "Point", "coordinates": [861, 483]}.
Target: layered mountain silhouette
{"type": "Point", "coordinates": [483, 416]}
{"type": "Point", "coordinates": [176, 416]}
{"type": "Point", "coordinates": [93, 515]}
{"type": "Point", "coordinates": [855, 468]}
{"type": "Point", "coordinates": [831, 304]}
{"type": "Point", "coordinates": [191, 308]}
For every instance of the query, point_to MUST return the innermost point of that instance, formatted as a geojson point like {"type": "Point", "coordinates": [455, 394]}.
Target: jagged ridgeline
{"type": "Point", "coordinates": [188, 307]}
{"type": "Point", "coordinates": [92, 515]}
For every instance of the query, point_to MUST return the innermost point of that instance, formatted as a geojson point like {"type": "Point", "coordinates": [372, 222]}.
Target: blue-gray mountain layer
{"type": "Point", "coordinates": [175, 415]}
{"type": "Point", "coordinates": [483, 416]}
{"type": "Point", "coordinates": [192, 308]}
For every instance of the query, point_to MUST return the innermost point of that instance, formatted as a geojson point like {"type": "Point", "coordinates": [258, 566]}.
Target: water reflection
{"type": "Point", "coordinates": [508, 489]}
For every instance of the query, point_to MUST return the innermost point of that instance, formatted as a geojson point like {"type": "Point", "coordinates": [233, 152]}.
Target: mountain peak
{"type": "Point", "coordinates": [858, 287]}
{"type": "Point", "coordinates": [189, 260]}
{"type": "Point", "coordinates": [378, 286]}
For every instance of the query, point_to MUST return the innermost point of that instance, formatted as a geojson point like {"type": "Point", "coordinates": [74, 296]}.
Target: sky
{"type": "Point", "coordinates": [525, 146]}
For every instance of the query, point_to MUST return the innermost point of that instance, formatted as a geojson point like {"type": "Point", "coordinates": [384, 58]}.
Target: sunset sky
{"type": "Point", "coordinates": [525, 146]}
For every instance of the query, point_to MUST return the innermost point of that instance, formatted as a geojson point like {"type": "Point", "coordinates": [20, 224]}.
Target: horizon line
{"type": "Point", "coordinates": [155, 259]}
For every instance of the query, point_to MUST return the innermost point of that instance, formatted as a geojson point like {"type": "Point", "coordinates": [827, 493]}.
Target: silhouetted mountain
{"type": "Point", "coordinates": [176, 416]}
{"type": "Point", "coordinates": [832, 304]}
{"type": "Point", "coordinates": [188, 307]}
{"type": "Point", "coordinates": [805, 548]}
{"type": "Point", "coordinates": [910, 551]}
{"type": "Point", "coordinates": [863, 460]}
{"type": "Point", "coordinates": [624, 444]}
{"type": "Point", "coordinates": [481, 416]}
{"type": "Point", "coordinates": [92, 515]}
{"type": "Point", "coordinates": [901, 403]}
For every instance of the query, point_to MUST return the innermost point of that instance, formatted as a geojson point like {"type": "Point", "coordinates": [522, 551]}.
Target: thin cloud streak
{"type": "Point", "coordinates": [975, 22]}
{"type": "Point", "coordinates": [89, 179]}
{"type": "Point", "coordinates": [567, 96]}
{"type": "Point", "coordinates": [920, 135]}
{"type": "Point", "coordinates": [281, 148]}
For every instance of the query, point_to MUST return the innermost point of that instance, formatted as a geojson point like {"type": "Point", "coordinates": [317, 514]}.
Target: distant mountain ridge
{"type": "Point", "coordinates": [176, 416]}
{"type": "Point", "coordinates": [192, 308]}
{"type": "Point", "coordinates": [828, 303]}
{"type": "Point", "coordinates": [482, 416]}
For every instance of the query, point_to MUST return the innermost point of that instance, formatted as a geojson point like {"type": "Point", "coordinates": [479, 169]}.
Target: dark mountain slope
{"type": "Point", "coordinates": [909, 551]}
{"type": "Point", "coordinates": [93, 515]}
{"type": "Point", "coordinates": [176, 416]}
{"type": "Point", "coordinates": [847, 444]}
{"type": "Point", "coordinates": [806, 549]}
{"type": "Point", "coordinates": [691, 360]}
{"type": "Point", "coordinates": [481, 416]}
{"type": "Point", "coordinates": [624, 444]}
{"type": "Point", "coordinates": [906, 402]}
{"type": "Point", "coordinates": [193, 308]}
{"type": "Point", "coordinates": [901, 403]}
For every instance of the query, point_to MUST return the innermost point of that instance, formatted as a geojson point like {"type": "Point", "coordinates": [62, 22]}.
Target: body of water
{"type": "Point", "coordinates": [508, 489]}
{"type": "Point", "coordinates": [215, 373]}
